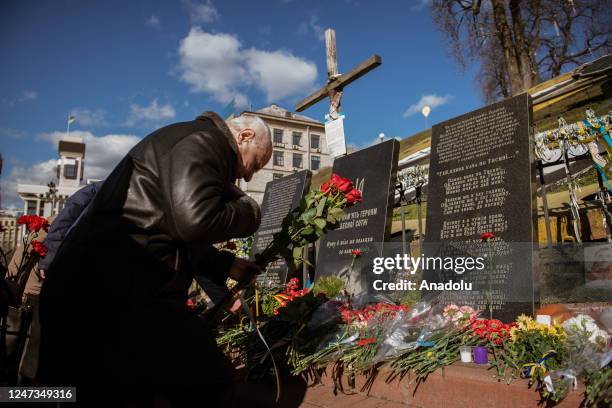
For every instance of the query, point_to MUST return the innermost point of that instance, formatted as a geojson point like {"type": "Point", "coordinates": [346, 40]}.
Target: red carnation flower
{"type": "Point", "coordinates": [485, 236]}
{"type": "Point", "coordinates": [190, 304]}
{"type": "Point", "coordinates": [37, 223]}
{"type": "Point", "coordinates": [365, 342]}
{"type": "Point", "coordinates": [356, 252]}
{"type": "Point", "coordinates": [34, 223]}
{"type": "Point", "coordinates": [39, 248]}
{"type": "Point", "coordinates": [24, 219]}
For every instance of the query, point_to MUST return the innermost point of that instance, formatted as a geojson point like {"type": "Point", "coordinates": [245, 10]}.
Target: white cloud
{"type": "Point", "coordinates": [153, 22]}
{"type": "Point", "coordinates": [89, 117]}
{"type": "Point", "coordinates": [312, 26]}
{"type": "Point", "coordinates": [200, 12]}
{"type": "Point", "coordinates": [212, 63]}
{"type": "Point", "coordinates": [217, 64]}
{"type": "Point", "coordinates": [280, 74]}
{"type": "Point", "coordinates": [101, 156]}
{"type": "Point", "coordinates": [151, 115]}
{"type": "Point", "coordinates": [431, 100]}
{"type": "Point", "coordinates": [38, 173]}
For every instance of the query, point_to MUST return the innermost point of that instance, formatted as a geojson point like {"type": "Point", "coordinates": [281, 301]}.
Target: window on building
{"type": "Point", "coordinates": [315, 141]}
{"type": "Point", "coordinates": [297, 160]}
{"type": "Point", "coordinates": [297, 138]}
{"type": "Point", "coordinates": [276, 176]}
{"type": "Point", "coordinates": [31, 209]}
{"type": "Point", "coordinates": [278, 135]}
{"type": "Point", "coordinates": [279, 158]}
{"type": "Point", "coordinates": [315, 162]}
{"type": "Point", "coordinates": [71, 168]}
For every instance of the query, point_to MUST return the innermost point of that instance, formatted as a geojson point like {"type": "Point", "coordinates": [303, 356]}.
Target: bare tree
{"type": "Point", "coordinates": [518, 43]}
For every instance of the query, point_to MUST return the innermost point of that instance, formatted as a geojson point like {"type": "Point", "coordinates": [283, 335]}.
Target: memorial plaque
{"type": "Point", "coordinates": [280, 198]}
{"type": "Point", "coordinates": [366, 225]}
{"type": "Point", "coordinates": [482, 179]}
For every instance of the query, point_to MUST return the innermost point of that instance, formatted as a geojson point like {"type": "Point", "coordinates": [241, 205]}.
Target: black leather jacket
{"type": "Point", "coordinates": [156, 216]}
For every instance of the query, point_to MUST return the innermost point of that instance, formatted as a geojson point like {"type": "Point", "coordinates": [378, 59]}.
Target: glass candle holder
{"type": "Point", "coordinates": [466, 354]}
{"type": "Point", "coordinates": [481, 355]}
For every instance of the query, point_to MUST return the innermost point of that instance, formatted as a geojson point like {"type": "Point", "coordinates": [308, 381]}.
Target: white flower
{"type": "Point", "coordinates": [586, 323]}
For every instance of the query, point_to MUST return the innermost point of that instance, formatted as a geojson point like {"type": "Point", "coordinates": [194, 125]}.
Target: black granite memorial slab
{"type": "Point", "coordinates": [280, 198]}
{"type": "Point", "coordinates": [366, 225]}
{"type": "Point", "coordinates": [482, 179]}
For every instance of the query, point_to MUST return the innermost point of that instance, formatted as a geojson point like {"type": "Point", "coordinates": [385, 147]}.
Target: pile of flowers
{"type": "Point", "coordinates": [423, 338]}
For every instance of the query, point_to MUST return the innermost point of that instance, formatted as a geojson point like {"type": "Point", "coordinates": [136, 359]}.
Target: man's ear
{"type": "Point", "coordinates": [246, 135]}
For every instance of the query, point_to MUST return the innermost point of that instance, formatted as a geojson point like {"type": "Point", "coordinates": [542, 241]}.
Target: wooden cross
{"type": "Point", "coordinates": [335, 81]}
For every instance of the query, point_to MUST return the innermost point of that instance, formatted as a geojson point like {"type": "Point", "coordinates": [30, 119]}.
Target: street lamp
{"type": "Point", "coordinates": [425, 111]}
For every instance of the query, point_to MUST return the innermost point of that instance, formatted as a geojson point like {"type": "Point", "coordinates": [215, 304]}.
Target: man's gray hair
{"type": "Point", "coordinates": [263, 134]}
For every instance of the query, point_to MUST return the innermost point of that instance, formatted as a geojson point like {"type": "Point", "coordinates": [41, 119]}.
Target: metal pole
{"type": "Point", "coordinates": [418, 200]}
{"type": "Point", "coordinates": [607, 217]}
{"type": "Point", "coordinates": [574, 210]}
{"type": "Point", "coordinates": [545, 204]}
{"type": "Point", "coordinates": [403, 212]}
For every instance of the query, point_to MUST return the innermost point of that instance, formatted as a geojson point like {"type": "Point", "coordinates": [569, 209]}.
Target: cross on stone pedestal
{"type": "Point", "coordinates": [335, 81]}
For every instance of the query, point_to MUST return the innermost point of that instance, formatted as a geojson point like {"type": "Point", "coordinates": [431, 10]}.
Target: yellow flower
{"type": "Point", "coordinates": [429, 353]}
{"type": "Point", "coordinates": [523, 322]}
{"type": "Point", "coordinates": [514, 333]}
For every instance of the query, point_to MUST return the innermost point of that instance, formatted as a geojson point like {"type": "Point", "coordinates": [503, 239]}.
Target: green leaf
{"type": "Point", "coordinates": [321, 206]}
{"type": "Point", "coordinates": [320, 223]}
{"type": "Point", "coordinates": [336, 212]}
{"type": "Point", "coordinates": [308, 230]}
{"type": "Point", "coordinates": [309, 215]}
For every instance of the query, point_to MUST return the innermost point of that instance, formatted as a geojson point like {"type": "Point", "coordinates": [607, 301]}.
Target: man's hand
{"type": "Point", "coordinates": [236, 305]}
{"type": "Point", "coordinates": [243, 270]}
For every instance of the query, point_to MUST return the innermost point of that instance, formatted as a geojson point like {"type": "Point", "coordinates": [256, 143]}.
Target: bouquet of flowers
{"type": "Point", "coordinates": [13, 282]}
{"type": "Point", "coordinates": [319, 212]}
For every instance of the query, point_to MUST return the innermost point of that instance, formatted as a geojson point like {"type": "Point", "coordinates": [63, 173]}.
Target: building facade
{"type": "Point", "coordinates": [299, 143]}
{"type": "Point", "coordinates": [46, 200]}
{"type": "Point", "coordinates": [9, 230]}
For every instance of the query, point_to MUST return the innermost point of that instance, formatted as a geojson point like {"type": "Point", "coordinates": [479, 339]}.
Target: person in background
{"type": "Point", "coordinates": [59, 227]}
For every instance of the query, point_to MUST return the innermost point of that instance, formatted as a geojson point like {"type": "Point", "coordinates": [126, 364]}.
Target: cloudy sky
{"type": "Point", "coordinates": [125, 68]}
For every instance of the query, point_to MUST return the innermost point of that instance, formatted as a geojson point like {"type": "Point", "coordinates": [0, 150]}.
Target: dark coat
{"type": "Point", "coordinates": [113, 302]}
{"type": "Point", "coordinates": [73, 207]}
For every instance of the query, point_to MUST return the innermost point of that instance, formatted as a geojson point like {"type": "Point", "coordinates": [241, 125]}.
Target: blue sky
{"type": "Point", "coordinates": [124, 68]}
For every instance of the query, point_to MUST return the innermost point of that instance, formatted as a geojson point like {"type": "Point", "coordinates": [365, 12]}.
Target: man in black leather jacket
{"type": "Point", "coordinates": [113, 304]}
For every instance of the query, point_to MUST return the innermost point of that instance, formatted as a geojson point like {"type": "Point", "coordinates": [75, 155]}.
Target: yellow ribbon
{"type": "Point", "coordinates": [529, 369]}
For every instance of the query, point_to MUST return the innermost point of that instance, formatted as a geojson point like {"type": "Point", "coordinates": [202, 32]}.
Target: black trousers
{"type": "Point", "coordinates": [151, 355]}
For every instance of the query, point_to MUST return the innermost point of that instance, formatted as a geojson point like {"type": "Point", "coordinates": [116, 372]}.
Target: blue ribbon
{"type": "Point", "coordinates": [527, 370]}
{"type": "Point", "coordinates": [601, 129]}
